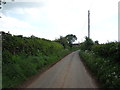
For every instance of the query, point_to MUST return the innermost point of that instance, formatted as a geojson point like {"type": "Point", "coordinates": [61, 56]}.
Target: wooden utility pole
{"type": "Point", "coordinates": [88, 24]}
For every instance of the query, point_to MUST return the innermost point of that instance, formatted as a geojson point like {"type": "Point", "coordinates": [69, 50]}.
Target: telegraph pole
{"type": "Point", "coordinates": [88, 23]}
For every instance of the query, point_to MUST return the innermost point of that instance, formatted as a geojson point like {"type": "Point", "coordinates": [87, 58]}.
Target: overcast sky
{"type": "Point", "coordinates": [53, 18]}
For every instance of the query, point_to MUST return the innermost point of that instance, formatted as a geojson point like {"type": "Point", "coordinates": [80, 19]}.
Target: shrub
{"type": "Point", "coordinates": [25, 56]}
{"type": "Point", "coordinates": [106, 71]}
{"type": "Point", "coordinates": [108, 50]}
{"type": "Point", "coordinates": [87, 44]}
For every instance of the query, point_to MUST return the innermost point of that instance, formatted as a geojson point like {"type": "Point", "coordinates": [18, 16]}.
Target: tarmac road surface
{"type": "Point", "coordinates": [67, 73]}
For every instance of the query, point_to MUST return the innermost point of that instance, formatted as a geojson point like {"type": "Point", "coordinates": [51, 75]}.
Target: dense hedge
{"type": "Point", "coordinates": [103, 61]}
{"type": "Point", "coordinates": [108, 50]}
{"type": "Point", "coordinates": [107, 72]}
{"type": "Point", "coordinates": [25, 56]}
{"type": "Point", "coordinates": [28, 45]}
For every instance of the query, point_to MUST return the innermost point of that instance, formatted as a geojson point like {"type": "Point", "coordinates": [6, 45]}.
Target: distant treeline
{"type": "Point", "coordinates": [25, 56]}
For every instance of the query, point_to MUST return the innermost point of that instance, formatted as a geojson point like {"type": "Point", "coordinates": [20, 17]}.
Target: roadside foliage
{"type": "Point", "coordinates": [104, 62]}
{"type": "Point", "coordinates": [25, 56]}
{"type": "Point", "coordinates": [108, 50]}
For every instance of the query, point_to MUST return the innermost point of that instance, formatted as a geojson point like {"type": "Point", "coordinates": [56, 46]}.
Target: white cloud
{"type": "Point", "coordinates": [16, 26]}
{"type": "Point", "coordinates": [62, 17]}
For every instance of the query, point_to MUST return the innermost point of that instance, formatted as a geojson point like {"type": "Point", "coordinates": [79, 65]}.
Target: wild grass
{"type": "Point", "coordinates": [22, 67]}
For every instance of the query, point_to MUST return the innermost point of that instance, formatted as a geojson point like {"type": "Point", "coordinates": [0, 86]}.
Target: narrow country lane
{"type": "Point", "coordinates": [67, 73]}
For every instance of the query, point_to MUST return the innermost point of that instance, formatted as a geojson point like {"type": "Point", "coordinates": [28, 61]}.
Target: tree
{"type": "Point", "coordinates": [70, 39]}
{"type": "Point", "coordinates": [62, 40]}
{"type": "Point", "coordinates": [67, 40]}
{"type": "Point", "coordinates": [87, 44]}
{"type": "Point", "coordinates": [96, 42]}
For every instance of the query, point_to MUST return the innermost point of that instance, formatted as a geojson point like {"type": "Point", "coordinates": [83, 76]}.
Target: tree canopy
{"type": "Point", "coordinates": [70, 39]}
{"type": "Point", "coordinates": [67, 40]}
